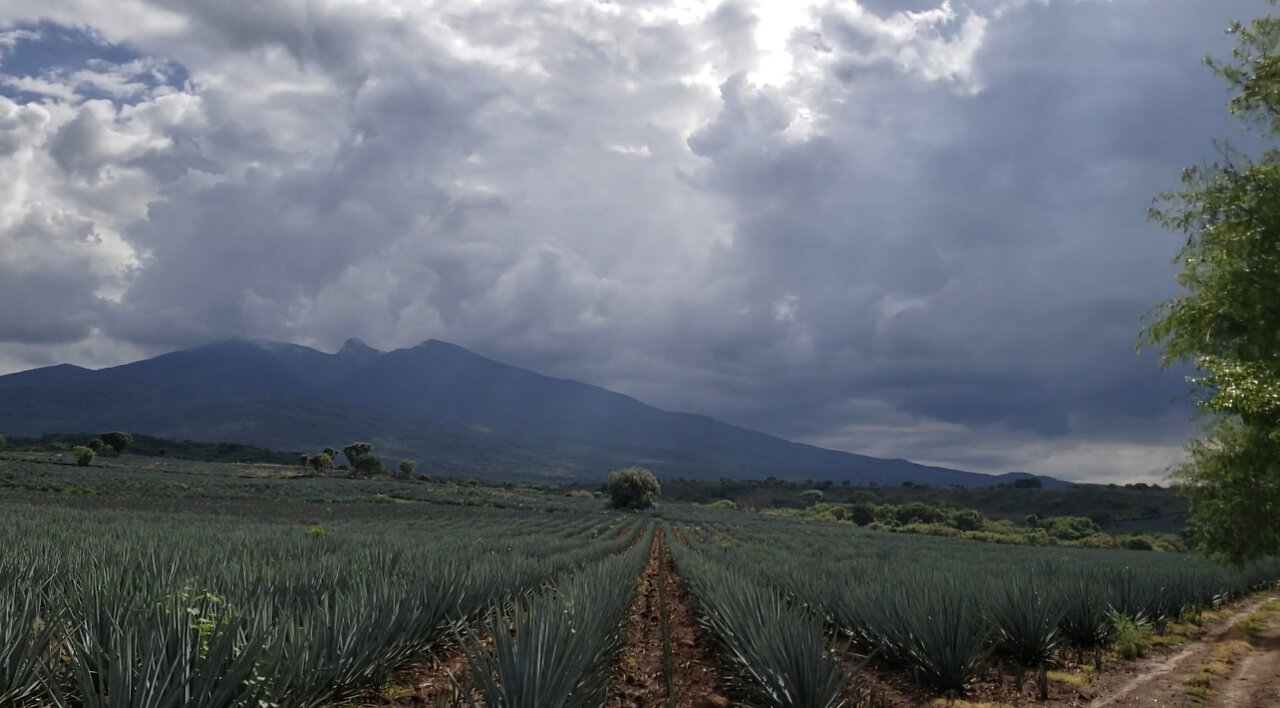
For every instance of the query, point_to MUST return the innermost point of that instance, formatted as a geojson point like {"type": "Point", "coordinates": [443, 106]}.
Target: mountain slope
{"type": "Point", "coordinates": [457, 412]}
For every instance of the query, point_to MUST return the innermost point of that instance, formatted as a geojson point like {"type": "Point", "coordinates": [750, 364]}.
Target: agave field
{"type": "Point", "coordinates": [111, 610]}
{"type": "Point", "coordinates": [781, 597]}
{"type": "Point", "coordinates": [528, 599]}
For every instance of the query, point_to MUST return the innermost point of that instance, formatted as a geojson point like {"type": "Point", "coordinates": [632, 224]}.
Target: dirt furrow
{"type": "Point", "coordinates": [672, 668]}
{"type": "Point", "coordinates": [428, 681]}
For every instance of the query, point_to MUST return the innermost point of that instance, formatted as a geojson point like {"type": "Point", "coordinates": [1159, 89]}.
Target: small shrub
{"type": "Point", "coordinates": [317, 532]}
{"type": "Point", "coordinates": [84, 455]}
{"type": "Point", "coordinates": [1137, 543]}
{"type": "Point", "coordinates": [862, 513]}
{"type": "Point", "coordinates": [968, 520]}
{"type": "Point", "coordinates": [723, 504]}
{"type": "Point", "coordinates": [1131, 639]}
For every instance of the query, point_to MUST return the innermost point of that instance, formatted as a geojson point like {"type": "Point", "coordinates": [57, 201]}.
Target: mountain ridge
{"type": "Point", "coordinates": [455, 411]}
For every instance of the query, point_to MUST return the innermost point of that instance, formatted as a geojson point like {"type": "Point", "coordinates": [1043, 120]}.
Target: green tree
{"type": "Point", "coordinates": [633, 488]}
{"type": "Point", "coordinates": [84, 455]}
{"type": "Point", "coordinates": [408, 467]}
{"type": "Point", "coordinates": [117, 440]}
{"type": "Point", "coordinates": [1225, 320]}
{"type": "Point", "coordinates": [95, 444]}
{"type": "Point", "coordinates": [321, 462]}
{"type": "Point", "coordinates": [811, 496]}
{"type": "Point", "coordinates": [356, 449]}
{"type": "Point", "coordinates": [363, 461]}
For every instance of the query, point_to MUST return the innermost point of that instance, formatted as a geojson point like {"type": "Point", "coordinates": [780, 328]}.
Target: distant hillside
{"type": "Point", "coordinates": [458, 413]}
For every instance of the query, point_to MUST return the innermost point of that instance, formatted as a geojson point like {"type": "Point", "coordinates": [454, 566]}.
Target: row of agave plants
{"type": "Point", "coordinates": [112, 611]}
{"type": "Point", "coordinates": [556, 649]}
{"type": "Point", "coordinates": [775, 651]}
{"type": "Point", "coordinates": [948, 610]}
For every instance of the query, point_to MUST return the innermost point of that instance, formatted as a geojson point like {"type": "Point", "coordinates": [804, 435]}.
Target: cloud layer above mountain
{"type": "Point", "coordinates": [907, 229]}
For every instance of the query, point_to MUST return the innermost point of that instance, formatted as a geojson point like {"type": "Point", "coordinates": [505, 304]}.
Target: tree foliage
{"type": "Point", "coordinates": [633, 488]}
{"type": "Point", "coordinates": [1226, 320]}
{"type": "Point", "coordinates": [408, 467]}
{"type": "Point", "coordinates": [321, 462]}
{"type": "Point", "coordinates": [363, 461]}
{"type": "Point", "coordinates": [84, 455]}
{"type": "Point", "coordinates": [117, 440]}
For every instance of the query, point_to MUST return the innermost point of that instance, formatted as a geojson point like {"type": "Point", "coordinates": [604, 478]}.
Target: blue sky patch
{"type": "Point", "coordinates": [45, 59]}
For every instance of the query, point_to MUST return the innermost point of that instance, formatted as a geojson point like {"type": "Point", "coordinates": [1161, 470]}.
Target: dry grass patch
{"type": "Point", "coordinates": [1079, 679]}
{"type": "Point", "coordinates": [1220, 664]}
{"type": "Point", "coordinates": [1168, 640]}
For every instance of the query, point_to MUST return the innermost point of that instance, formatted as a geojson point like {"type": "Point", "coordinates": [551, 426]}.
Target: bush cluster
{"type": "Point", "coordinates": [947, 520]}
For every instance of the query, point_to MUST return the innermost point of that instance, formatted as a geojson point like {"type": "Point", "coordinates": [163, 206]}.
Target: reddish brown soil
{"type": "Point", "coordinates": [428, 681]}
{"type": "Point", "coordinates": [640, 678]}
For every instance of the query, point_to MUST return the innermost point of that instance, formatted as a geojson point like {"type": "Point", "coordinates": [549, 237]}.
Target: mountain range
{"type": "Point", "coordinates": [456, 412]}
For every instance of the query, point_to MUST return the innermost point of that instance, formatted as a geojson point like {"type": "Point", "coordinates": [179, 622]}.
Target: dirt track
{"type": "Point", "coordinates": [1234, 664]}
{"type": "Point", "coordinates": [643, 677]}
{"type": "Point", "coordinates": [1256, 681]}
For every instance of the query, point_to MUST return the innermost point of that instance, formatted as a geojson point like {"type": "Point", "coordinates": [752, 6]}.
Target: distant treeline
{"type": "Point", "coordinates": [1136, 506]}
{"type": "Point", "coordinates": [158, 447]}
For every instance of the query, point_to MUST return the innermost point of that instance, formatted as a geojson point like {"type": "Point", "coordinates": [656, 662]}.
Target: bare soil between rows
{"type": "Point", "coordinates": [643, 678]}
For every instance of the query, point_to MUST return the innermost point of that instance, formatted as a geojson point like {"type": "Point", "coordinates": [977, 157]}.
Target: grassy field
{"type": "Point", "coordinates": [144, 581]}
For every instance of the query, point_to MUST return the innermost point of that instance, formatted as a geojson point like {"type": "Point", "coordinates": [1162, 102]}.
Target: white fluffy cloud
{"type": "Point", "coordinates": [908, 229]}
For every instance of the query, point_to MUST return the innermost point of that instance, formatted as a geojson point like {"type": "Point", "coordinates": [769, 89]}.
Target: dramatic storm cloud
{"type": "Point", "coordinates": [909, 229]}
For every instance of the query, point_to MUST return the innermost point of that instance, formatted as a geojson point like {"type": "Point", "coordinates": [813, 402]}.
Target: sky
{"type": "Point", "coordinates": [904, 228]}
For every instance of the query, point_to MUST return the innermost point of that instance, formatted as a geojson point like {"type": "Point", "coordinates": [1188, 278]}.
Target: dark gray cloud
{"type": "Point", "coordinates": [906, 229]}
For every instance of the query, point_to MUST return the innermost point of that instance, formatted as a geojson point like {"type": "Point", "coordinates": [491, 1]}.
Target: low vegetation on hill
{"type": "Point", "coordinates": [151, 446]}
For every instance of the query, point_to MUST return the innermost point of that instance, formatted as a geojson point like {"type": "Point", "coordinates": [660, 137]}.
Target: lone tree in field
{"type": "Point", "coordinates": [408, 467]}
{"type": "Point", "coordinates": [84, 455]}
{"type": "Point", "coordinates": [117, 440]}
{"type": "Point", "coordinates": [1226, 319]}
{"type": "Point", "coordinates": [633, 488]}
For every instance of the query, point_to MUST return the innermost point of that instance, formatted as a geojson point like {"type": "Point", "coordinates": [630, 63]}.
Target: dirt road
{"type": "Point", "coordinates": [1234, 664]}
